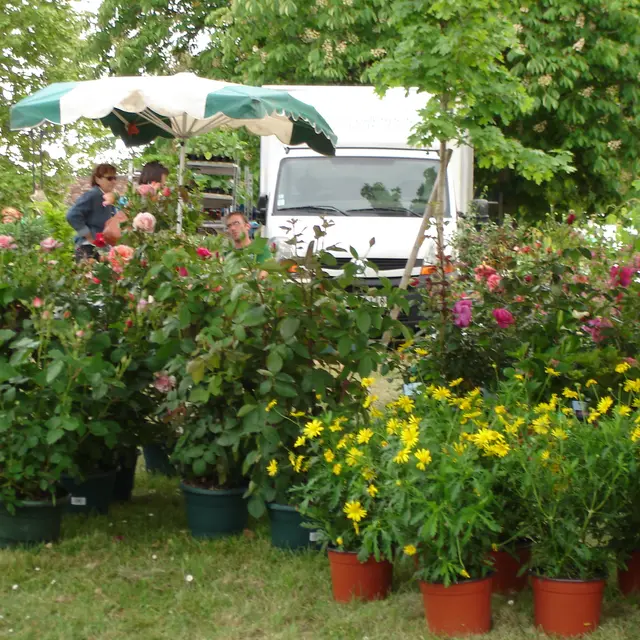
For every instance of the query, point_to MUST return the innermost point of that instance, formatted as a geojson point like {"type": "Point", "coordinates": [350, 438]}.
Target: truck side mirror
{"type": "Point", "coordinates": [261, 214]}
{"type": "Point", "coordinates": [480, 210]}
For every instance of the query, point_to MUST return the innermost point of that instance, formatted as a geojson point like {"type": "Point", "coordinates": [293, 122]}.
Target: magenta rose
{"type": "Point", "coordinates": [462, 313]}
{"type": "Point", "coordinates": [620, 276]}
{"type": "Point", "coordinates": [203, 252]}
{"type": "Point", "coordinates": [503, 317]}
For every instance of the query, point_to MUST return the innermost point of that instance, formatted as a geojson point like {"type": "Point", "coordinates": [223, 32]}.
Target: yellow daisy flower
{"type": "Point", "coordinates": [590, 383]}
{"type": "Point", "coordinates": [313, 428]}
{"type": "Point", "coordinates": [424, 458]}
{"type": "Point", "coordinates": [422, 352]}
{"type": "Point", "coordinates": [355, 511]}
{"type": "Point", "coordinates": [405, 403]}
{"type": "Point", "coordinates": [441, 393]}
{"type": "Point", "coordinates": [364, 435]}
{"type": "Point", "coordinates": [368, 401]}
{"type": "Point", "coordinates": [367, 382]}
{"type": "Point", "coordinates": [552, 372]}
{"type": "Point", "coordinates": [329, 456]}
{"type": "Point", "coordinates": [272, 468]}
{"type": "Point", "coordinates": [570, 393]}
{"type": "Point", "coordinates": [456, 382]}
{"type": "Point", "coordinates": [559, 433]}
{"type": "Point", "coordinates": [402, 456]}
{"type": "Point", "coordinates": [270, 406]}
{"type": "Point", "coordinates": [372, 490]}
{"type": "Point", "coordinates": [624, 410]}
{"type": "Point", "coordinates": [623, 367]}
{"type": "Point", "coordinates": [353, 455]}
{"type": "Point", "coordinates": [410, 550]}
{"type": "Point", "coordinates": [299, 441]}
{"type": "Point", "coordinates": [605, 404]}
{"type": "Point", "coordinates": [337, 469]}
{"type": "Point", "coordinates": [297, 414]}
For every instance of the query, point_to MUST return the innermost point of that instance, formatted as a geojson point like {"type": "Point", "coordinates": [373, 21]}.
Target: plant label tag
{"type": "Point", "coordinates": [315, 536]}
{"type": "Point", "coordinates": [580, 409]}
{"type": "Point", "coordinates": [411, 388]}
{"type": "Point", "coordinates": [78, 501]}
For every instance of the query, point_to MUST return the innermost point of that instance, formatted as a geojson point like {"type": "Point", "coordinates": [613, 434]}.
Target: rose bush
{"type": "Point", "coordinates": [558, 293]}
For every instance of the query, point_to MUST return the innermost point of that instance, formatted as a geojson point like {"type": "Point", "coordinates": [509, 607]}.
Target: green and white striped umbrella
{"type": "Point", "coordinates": [139, 109]}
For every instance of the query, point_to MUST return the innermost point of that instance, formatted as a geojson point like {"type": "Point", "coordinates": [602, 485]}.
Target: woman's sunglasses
{"type": "Point", "coordinates": [110, 178]}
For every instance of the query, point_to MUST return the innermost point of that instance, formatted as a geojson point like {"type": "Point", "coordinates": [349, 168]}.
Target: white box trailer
{"type": "Point", "coordinates": [376, 185]}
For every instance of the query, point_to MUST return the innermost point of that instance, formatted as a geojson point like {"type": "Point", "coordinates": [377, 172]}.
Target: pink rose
{"type": "Point", "coordinates": [203, 252]}
{"type": "Point", "coordinates": [166, 192]}
{"type": "Point", "coordinates": [119, 256]}
{"type": "Point", "coordinates": [620, 276]}
{"type": "Point", "coordinates": [49, 244]}
{"type": "Point", "coordinates": [37, 302]}
{"type": "Point", "coordinates": [9, 215]}
{"type": "Point", "coordinates": [147, 190]}
{"type": "Point", "coordinates": [483, 272]}
{"type": "Point", "coordinates": [164, 383]}
{"type": "Point", "coordinates": [503, 317]}
{"type": "Point", "coordinates": [462, 313]}
{"type": "Point", "coordinates": [7, 242]}
{"type": "Point", "coordinates": [182, 272]}
{"type": "Point", "coordinates": [493, 282]}
{"type": "Point", "coordinates": [144, 222]}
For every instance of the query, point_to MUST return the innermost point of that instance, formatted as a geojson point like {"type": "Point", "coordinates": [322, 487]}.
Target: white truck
{"type": "Point", "coordinates": [376, 185]}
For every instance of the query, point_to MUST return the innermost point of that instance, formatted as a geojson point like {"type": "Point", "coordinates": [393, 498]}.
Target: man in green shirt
{"type": "Point", "coordinates": [238, 229]}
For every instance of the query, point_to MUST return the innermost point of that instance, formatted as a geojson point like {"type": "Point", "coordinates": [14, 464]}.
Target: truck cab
{"type": "Point", "coordinates": [376, 186]}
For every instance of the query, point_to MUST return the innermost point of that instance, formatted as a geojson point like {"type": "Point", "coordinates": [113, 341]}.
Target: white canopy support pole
{"type": "Point", "coordinates": [183, 153]}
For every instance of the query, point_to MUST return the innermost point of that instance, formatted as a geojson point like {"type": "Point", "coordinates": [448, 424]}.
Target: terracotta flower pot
{"type": "Point", "coordinates": [352, 579]}
{"type": "Point", "coordinates": [629, 578]}
{"type": "Point", "coordinates": [459, 609]}
{"type": "Point", "coordinates": [507, 567]}
{"type": "Point", "coordinates": [567, 608]}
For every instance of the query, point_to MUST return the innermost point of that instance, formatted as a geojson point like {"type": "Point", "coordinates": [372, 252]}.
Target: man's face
{"type": "Point", "coordinates": [237, 228]}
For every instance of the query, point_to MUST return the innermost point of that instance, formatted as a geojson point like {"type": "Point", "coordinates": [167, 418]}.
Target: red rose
{"type": "Point", "coordinates": [203, 252]}
{"type": "Point", "coordinates": [503, 317]}
{"type": "Point", "coordinates": [99, 240]}
{"type": "Point", "coordinates": [571, 218]}
{"type": "Point", "coordinates": [182, 272]}
{"type": "Point", "coordinates": [129, 323]}
{"type": "Point", "coordinates": [166, 192]}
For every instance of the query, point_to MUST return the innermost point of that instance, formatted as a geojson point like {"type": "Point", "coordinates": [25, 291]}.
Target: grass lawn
{"type": "Point", "coordinates": [125, 576]}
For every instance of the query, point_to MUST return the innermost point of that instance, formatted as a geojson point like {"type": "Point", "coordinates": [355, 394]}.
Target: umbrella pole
{"type": "Point", "coordinates": [183, 152]}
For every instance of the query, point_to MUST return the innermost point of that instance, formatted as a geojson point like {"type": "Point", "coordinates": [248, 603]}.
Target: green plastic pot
{"type": "Point", "coordinates": [287, 531]}
{"type": "Point", "coordinates": [34, 522]}
{"type": "Point", "coordinates": [215, 513]}
{"type": "Point", "coordinates": [92, 494]}
{"type": "Point", "coordinates": [156, 460]}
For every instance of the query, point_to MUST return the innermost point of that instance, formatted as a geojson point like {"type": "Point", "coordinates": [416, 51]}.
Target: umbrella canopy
{"type": "Point", "coordinates": [139, 109]}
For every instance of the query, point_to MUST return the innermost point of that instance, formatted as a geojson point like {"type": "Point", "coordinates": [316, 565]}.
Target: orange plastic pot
{"type": "Point", "coordinates": [567, 608]}
{"type": "Point", "coordinates": [352, 579]}
{"type": "Point", "coordinates": [629, 578]}
{"type": "Point", "coordinates": [507, 567]}
{"type": "Point", "coordinates": [459, 609]}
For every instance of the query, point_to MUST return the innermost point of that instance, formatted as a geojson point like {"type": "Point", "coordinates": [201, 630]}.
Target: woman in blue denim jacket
{"type": "Point", "coordinates": [92, 210]}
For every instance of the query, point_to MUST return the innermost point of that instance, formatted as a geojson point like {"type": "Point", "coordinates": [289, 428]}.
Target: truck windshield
{"type": "Point", "coordinates": [355, 186]}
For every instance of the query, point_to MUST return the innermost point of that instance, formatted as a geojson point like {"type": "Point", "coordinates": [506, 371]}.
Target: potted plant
{"type": "Point", "coordinates": [54, 380]}
{"type": "Point", "coordinates": [441, 500]}
{"type": "Point", "coordinates": [345, 501]}
{"type": "Point", "coordinates": [576, 478]}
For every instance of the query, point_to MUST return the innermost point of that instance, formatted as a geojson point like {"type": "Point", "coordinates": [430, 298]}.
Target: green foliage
{"type": "Point", "coordinates": [579, 61]}
{"type": "Point", "coordinates": [43, 45]}
{"type": "Point", "coordinates": [472, 93]}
